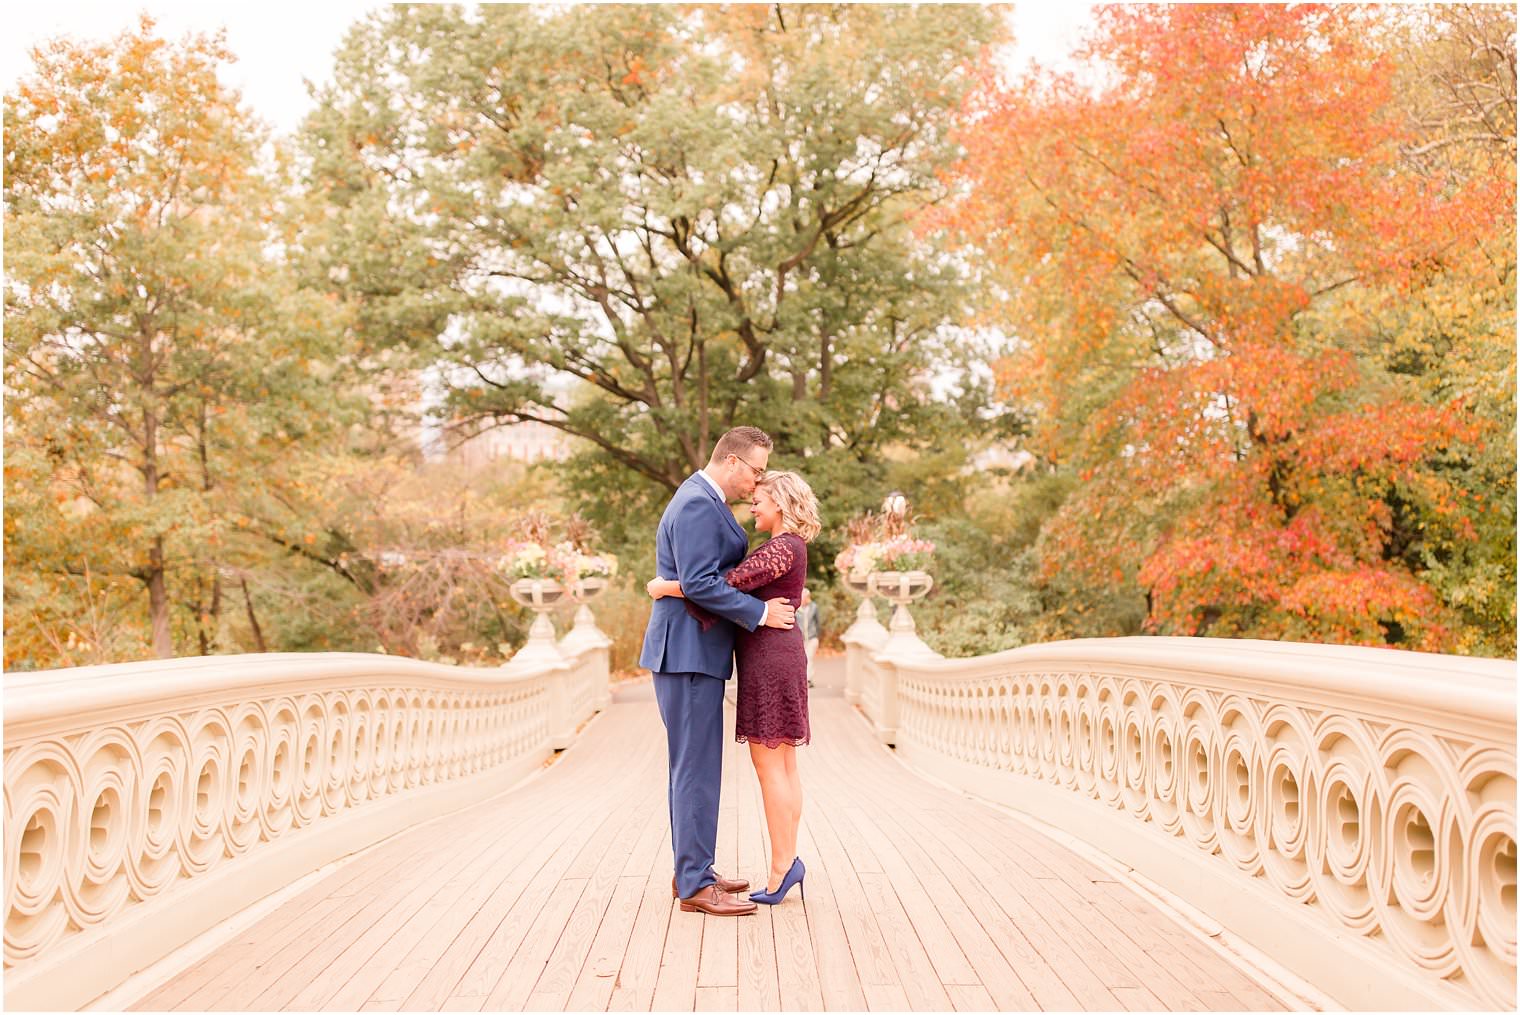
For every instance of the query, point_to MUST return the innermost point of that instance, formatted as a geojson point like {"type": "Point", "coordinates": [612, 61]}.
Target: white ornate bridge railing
{"type": "Point", "coordinates": [1348, 811]}
{"type": "Point", "coordinates": [147, 802]}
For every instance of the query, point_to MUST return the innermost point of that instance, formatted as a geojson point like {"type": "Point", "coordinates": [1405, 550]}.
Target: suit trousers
{"type": "Point", "coordinates": [691, 705]}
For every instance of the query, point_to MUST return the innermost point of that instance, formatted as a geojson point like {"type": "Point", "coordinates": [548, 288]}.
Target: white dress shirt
{"type": "Point", "coordinates": [714, 484]}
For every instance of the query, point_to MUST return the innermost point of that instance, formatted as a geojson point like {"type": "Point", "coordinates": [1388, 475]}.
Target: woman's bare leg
{"type": "Point", "coordinates": [781, 809]}
{"type": "Point", "coordinates": [796, 782]}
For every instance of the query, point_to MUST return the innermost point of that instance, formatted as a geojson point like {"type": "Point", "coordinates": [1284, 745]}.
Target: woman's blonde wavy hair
{"type": "Point", "coordinates": [799, 508]}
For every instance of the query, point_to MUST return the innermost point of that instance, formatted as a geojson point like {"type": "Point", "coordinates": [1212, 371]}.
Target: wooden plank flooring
{"type": "Point", "coordinates": [556, 897]}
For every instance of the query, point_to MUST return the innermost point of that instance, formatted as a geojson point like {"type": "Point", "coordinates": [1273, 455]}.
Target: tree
{"type": "Point", "coordinates": [419, 544]}
{"type": "Point", "coordinates": [157, 359]}
{"type": "Point", "coordinates": [700, 216]}
{"type": "Point", "coordinates": [1453, 331]}
{"type": "Point", "coordinates": [1189, 237]}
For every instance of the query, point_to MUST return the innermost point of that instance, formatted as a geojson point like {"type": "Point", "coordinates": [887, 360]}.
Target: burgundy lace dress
{"type": "Point", "coordinates": [773, 691]}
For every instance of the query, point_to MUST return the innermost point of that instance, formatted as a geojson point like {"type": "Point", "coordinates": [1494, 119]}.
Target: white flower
{"type": "Point", "coordinates": [865, 561]}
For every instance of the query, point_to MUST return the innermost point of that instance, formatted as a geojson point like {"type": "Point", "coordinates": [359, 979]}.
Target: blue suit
{"type": "Point", "coordinates": [698, 541]}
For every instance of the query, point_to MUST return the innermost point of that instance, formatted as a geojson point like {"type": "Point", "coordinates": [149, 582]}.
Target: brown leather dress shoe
{"type": "Point", "coordinates": [716, 902]}
{"type": "Point", "coordinates": [732, 886]}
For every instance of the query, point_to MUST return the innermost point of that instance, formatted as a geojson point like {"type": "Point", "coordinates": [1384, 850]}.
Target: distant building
{"type": "Point", "coordinates": [1003, 457]}
{"type": "Point", "coordinates": [516, 442]}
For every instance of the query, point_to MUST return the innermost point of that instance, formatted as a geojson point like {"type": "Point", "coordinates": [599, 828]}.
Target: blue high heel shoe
{"type": "Point", "coordinates": [794, 876]}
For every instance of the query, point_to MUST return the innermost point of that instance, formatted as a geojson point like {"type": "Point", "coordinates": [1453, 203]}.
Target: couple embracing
{"type": "Point", "coordinates": [713, 605]}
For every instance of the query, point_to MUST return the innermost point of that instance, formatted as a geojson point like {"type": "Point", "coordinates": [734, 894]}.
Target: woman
{"type": "Point", "coordinates": [772, 707]}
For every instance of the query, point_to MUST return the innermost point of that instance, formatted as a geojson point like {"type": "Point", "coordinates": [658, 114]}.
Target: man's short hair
{"type": "Point", "coordinates": [738, 441]}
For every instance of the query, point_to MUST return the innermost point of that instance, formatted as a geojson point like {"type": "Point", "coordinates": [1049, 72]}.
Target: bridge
{"type": "Point", "coordinates": [1145, 823]}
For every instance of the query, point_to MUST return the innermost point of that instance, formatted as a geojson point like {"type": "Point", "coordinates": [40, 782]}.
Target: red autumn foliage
{"type": "Point", "coordinates": [1179, 236]}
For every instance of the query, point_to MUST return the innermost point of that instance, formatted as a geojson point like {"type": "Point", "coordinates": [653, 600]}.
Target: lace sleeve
{"type": "Point", "coordinates": [762, 567]}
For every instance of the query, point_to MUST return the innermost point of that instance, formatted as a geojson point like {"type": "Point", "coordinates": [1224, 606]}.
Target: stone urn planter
{"type": "Point", "coordinates": [860, 584]}
{"type": "Point", "coordinates": [585, 633]}
{"type": "Point", "coordinates": [539, 595]}
{"type": "Point", "coordinates": [583, 590]}
{"type": "Point", "coordinates": [900, 588]}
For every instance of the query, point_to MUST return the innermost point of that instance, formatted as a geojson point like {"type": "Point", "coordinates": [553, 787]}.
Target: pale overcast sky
{"type": "Point", "coordinates": [279, 45]}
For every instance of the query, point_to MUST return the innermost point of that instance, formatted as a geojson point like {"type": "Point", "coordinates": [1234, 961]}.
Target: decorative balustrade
{"type": "Point", "coordinates": [589, 683]}
{"type": "Point", "coordinates": [1349, 811]}
{"type": "Point", "coordinates": [872, 696]}
{"type": "Point", "coordinates": [863, 639]}
{"type": "Point", "coordinates": [146, 802]}
{"type": "Point", "coordinates": [592, 686]}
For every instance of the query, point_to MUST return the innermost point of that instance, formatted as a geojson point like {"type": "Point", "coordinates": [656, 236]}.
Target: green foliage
{"type": "Point", "coordinates": [643, 224]}
{"type": "Point", "coordinates": [700, 215]}
{"type": "Point", "coordinates": [157, 358]}
{"type": "Point", "coordinates": [985, 597]}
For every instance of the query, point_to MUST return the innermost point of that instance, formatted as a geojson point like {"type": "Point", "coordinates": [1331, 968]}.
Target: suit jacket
{"type": "Point", "coordinates": [698, 542]}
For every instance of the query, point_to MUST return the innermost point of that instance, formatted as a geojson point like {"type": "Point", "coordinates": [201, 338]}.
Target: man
{"type": "Point", "coordinates": [807, 619]}
{"type": "Point", "coordinates": [697, 542]}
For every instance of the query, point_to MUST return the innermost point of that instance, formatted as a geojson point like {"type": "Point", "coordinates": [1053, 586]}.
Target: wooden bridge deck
{"type": "Point", "coordinates": [556, 896]}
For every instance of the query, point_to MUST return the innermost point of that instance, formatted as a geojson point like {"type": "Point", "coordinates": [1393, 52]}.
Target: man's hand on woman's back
{"type": "Point", "coordinates": [779, 612]}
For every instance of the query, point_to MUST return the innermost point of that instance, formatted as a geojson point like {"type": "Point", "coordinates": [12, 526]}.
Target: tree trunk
{"type": "Point", "coordinates": [705, 441]}
{"type": "Point", "coordinates": [253, 621]}
{"type": "Point", "coordinates": [158, 601]}
{"type": "Point", "coordinates": [158, 591]}
{"type": "Point", "coordinates": [200, 619]}
{"type": "Point", "coordinates": [208, 629]}
{"type": "Point", "coordinates": [203, 446]}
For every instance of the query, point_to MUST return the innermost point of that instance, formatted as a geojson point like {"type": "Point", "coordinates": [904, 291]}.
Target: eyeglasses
{"type": "Point", "coordinates": [759, 473]}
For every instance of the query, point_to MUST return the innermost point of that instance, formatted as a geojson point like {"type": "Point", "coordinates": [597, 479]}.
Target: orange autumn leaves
{"type": "Point", "coordinates": [161, 361]}
{"type": "Point", "coordinates": [1188, 233]}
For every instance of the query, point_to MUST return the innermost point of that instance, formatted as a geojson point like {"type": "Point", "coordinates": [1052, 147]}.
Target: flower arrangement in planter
{"type": "Point", "coordinates": [539, 555]}
{"type": "Point", "coordinates": [858, 558]}
{"type": "Point", "coordinates": [538, 566]}
{"type": "Point", "coordinates": [901, 573]}
{"type": "Point", "coordinates": [881, 542]}
{"type": "Point", "coordinates": [568, 562]}
{"type": "Point", "coordinates": [546, 572]}
{"type": "Point", "coordinates": [580, 564]}
{"type": "Point", "coordinates": [586, 574]}
{"type": "Point", "coordinates": [904, 553]}
{"type": "Point", "coordinates": [527, 558]}
{"type": "Point", "coordinates": [884, 558]}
